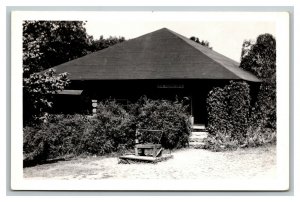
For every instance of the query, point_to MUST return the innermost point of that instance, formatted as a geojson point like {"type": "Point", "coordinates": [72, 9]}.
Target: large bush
{"type": "Point", "coordinates": [238, 108]}
{"type": "Point", "coordinates": [35, 145]}
{"type": "Point", "coordinates": [259, 57]}
{"type": "Point", "coordinates": [218, 112]}
{"type": "Point", "coordinates": [264, 112]}
{"type": "Point", "coordinates": [65, 133]}
{"type": "Point", "coordinates": [228, 116]}
{"type": "Point", "coordinates": [170, 117]}
{"type": "Point", "coordinates": [58, 137]}
{"type": "Point", "coordinates": [112, 130]}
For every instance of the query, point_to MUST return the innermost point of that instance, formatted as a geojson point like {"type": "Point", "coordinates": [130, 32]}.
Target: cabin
{"type": "Point", "coordinates": [161, 65]}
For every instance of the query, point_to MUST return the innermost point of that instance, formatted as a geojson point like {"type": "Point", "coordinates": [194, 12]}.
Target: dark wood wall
{"type": "Point", "coordinates": [132, 90]}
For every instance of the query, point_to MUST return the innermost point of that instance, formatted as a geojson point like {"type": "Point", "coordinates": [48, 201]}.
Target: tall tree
{"type": "Point", "coordinates": [102, 43]}
{"type": "Point", "coordinates": [202, 42]}
{"type": "Point", "coordinates": [259, 57]}
{"type": "Point", "coordinates": [49, 43]}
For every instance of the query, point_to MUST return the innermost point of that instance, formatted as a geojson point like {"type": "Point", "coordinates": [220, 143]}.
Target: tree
{"type": "Point", "coordinates": [202, 42]}
{"type": "Point", "coordinates": [102, 43]}
{"type": "Point", "coordinates": [49, 43]}
{"type": "Point", "coordinates": [260, 58]}
{"type": "Point", "coordinates": [45, 45]}
{"type": "Point", "coordinates": [38, 91]}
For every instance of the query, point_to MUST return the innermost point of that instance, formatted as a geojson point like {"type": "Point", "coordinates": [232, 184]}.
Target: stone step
{"type": "Point", "coordinates": [198, 127]}
{"type": "Point", "coordinates": [196, 139]}
{"type": "Point", "coordinates": [196, 145]}
{"type": "Point", "coordinates": [199, 136]}
{"type": "Point", "coordinates": [199, 133]}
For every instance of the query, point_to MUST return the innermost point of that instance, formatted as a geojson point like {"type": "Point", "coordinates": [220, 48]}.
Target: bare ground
{"type": "Point", "coordinates": [253, 163]}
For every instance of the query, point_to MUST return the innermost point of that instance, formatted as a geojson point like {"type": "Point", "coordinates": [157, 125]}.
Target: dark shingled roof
{"type": "Point", "coordinates": [162, 54]}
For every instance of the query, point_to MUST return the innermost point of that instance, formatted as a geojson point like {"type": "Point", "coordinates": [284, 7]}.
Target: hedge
{"type": "Point", "coordinates": [230, 123]}
{"type": "Point", "coordinates": [112, 129]}
{"type": "Point", "coordinates": [228, 115]}
{"type": "Point", "coordinates": [59, 137]}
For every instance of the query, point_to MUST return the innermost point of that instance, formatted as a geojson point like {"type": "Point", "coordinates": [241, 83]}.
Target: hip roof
{"type": "Point", "coordinates": [162, 54]}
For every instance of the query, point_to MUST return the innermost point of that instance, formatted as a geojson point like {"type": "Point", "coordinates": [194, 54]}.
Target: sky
{"type": "Point", "coordinates": [225, 37]}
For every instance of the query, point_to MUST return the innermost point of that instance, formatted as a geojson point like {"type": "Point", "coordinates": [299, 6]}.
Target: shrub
{"type": "Point", "coordinates": [112, 129]}
{"type": "Point", "coordinates": [220, 142]}
{"type": "Point", "coordinates": [35, 146]}
{"type": "Point", "coordinates": [258, 137]}
{"type": "Point", "coordinates": [238, 109]}
{"type": "Point", "coordinates": [228, 115]}
{"type": "Point", "coordinates": [58, 137]}
{"type": "Point", "coordinates": [170, 117]}
{"type": "Point", "coordinates": [64, 134]}
{"type": "Point", "coordinates": [264, 112]}
{"type": "Point", "coordinates": [218, 112]}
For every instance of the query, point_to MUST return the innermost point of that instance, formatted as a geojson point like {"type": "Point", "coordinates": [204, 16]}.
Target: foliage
{"type": "Point", "coordinates": [228, 116]}
{"type": "Point", "coordinates": [218, 112]}
{"type": "Point", "coordinates": [257, 136]}
{"type": "Point", "coordinates": [102, 43]}
{"type": "Point", "coordinates": [264, 112]}
{"type": "Point", "coordinates": [58, 137]}
{"type": "Point", "coordinates": [170, 117]}
{"type": "Point", "coordinates": [220, 142]}
{"type": "Point", "coordinates": [35, 146]}
{"type": "Point", "coordinates": [65, 133]}
{"type": "Point", "coordinates": [112, 129]}
{"type": "Point", "coordinates": [202, 42]}
{"type": "Point", "coordinates": [49, 43]}
{"type": "Point", "coordinates": [238, 95]}
{"type": "Point", "coordinates": [260, 58]}
{"type": "Point", "coordinates": [38, 91]}
{"type": "Point", "coordinates": [45, 45]}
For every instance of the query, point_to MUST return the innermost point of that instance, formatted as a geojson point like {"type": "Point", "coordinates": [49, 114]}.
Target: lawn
{"type": "Point", "coordinates": [251, 163]}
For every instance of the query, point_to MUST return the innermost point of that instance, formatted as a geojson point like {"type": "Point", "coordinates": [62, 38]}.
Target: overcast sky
{"type": "Point", "coordinates": [226, 37]}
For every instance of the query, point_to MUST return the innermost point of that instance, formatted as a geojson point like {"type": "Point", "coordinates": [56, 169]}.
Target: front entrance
{"type": "Point", "coordinates": [199, 112]}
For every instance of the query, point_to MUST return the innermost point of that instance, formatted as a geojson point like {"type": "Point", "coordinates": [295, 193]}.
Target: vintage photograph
{"type": "Point", "coordinates": [158, 99]}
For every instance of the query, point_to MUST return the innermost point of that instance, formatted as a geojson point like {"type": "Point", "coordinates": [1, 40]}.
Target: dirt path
{"type": "Point", "coordinates": [186, 164]}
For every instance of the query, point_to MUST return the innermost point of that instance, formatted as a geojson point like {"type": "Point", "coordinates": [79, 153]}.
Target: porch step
{"type": "Point", "coordinates": [197, 145]}
{"type": "Point", "coordinates": [197, 138]}
{"type": "Point", "coordinates": [198, 127]}
{"type": "Point", "coordinates": [200, 134]}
